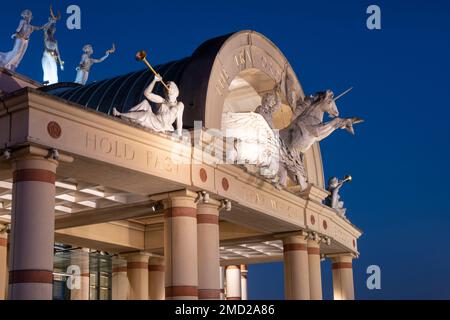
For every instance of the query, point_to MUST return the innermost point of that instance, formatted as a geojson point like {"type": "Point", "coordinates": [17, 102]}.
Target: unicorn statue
{"type": "Point", "coordinates": [279, 154]}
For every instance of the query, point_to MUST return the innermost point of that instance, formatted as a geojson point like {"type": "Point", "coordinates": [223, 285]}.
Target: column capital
{"type": "Point", "coordinates": [33, 152]}
{"type": "Point", "coordinates": [344, 257]}
{"type": "Point", "coordinates": [182, 198]}
{"type": "Point", "coordinates": [136, 256]}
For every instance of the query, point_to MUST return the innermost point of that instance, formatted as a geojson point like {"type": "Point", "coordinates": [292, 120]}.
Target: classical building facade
{"type": "Point", "coordinates": [95, 207]}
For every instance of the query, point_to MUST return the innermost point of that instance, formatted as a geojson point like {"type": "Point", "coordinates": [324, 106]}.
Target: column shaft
{"type": "Point", "coordinates": [32, 229]}
{"type": "Point", "coordinates": [233, 280]}
{"type": "Point", "coordinates": [296, 268]}
{"type": "Point", "coordinates": [137, 273]}
{"type": "Point", "coordinates": [180, 247]}
{"type": "Point", "coordinates": [81, 259]}
{"type": "Point", "coordinates": [244, 273]}
{"type": "Point", "coordinates": [3, 263]}
{"type": "Point", "coordinates": [156, 270]}
{"type": "Point", "coordinates": [120, 286]}
{"type": "Point", "coordinates": [343, 277]}
{"type": "Point", "coordinates": [208, 250]}
{"type": "Point", "coordinates": [315, 275]}
{"type": "Point", "coordinates": [222, 282]}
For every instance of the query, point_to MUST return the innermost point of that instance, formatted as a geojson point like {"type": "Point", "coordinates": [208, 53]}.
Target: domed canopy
{"type": "Point", "coordinates": [125, 91]}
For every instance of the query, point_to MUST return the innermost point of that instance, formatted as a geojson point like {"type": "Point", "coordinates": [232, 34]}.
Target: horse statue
{"type": "Point", "coordinates": [280, 154]}
{"type": "Point", "coordinates": [306, 128]}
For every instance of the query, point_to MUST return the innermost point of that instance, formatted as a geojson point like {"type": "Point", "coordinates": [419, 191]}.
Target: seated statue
{"type": "Point", "coordinates": [169, 110]}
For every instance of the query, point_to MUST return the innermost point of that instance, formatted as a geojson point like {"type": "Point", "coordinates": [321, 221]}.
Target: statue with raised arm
{"type": "Point", "coordinates": [51, 56]}
{"type": "Point", "coordinates": [169, 109]}
{"type": "Point", "coordinates": [306, 128]}
{"type": "Point", "coordinates": [87, 61]}
{"type": "Point", "coordinates": [334, 199]}
{"type": "Point", "coordinates": [11, 60]}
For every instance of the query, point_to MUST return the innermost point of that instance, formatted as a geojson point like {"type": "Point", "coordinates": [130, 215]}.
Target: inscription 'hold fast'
{"type": "Point", "coordinates": [109, 147]}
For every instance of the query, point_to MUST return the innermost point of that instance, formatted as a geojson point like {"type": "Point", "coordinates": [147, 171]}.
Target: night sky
{"type": "Point", "coordinates": [398, 158]}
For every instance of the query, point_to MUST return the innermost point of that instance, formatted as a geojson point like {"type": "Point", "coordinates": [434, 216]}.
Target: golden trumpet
{"type": "Point", "coordinates": [142, 56]}
{"type": "Point", "coordinates": [348, 178]}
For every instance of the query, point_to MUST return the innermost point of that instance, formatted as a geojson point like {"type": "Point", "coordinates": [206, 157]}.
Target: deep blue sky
{"type": "Point", "coordinates": [399, 157]}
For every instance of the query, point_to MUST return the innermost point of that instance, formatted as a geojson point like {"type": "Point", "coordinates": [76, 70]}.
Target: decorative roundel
{"type": "Point", "coordinates": [312, 219]}
{"type": "Point", "coordinates": [225, 184]}
{"type": "Point", "coordinates": [203, 175]}
{"type": "Point", "coordinates": [54, 130]}
{"type": "Point", "coordinates": [325, 224]}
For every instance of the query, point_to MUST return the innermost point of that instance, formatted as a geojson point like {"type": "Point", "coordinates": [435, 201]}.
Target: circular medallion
{"type": "Point", "coordinates": [203, 175]}
{"type": "Point", "coordinates": [225, 184]}
{"type": "Point", "coordinates": [54, 130]}
{"type": "Point", "coordinates": [325, 225]}
{"type": "Point", "coordinates": [312, 219]}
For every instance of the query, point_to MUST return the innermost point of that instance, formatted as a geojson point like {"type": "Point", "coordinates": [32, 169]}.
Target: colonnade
{"type": "Point", "coordinates": [190, 268]}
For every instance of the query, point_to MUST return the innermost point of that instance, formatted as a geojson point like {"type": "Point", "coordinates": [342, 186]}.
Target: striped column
{"type": "Point", "coordinates": [222, 282]}
{"type": "Point", "coordinates": [180, 247]}
{"type": "Point", "coordinates": [233, 278]}
{"type": "Point", "coordinates": [156, 269]}
{"type": "Point", "coordinates": [244, 273]}
{"type": "Point", "coordinates": [32, 229]}
{"type": "Point", "coordinates": [119, 286]}
{"type": "Point", "coordinates": [208, 250]}
{"type": "Point", "coordinates": [3, 262]}
{"type": "Point", "coordinates": [81, 259]}
{"type": "Point", "coordinates": [296, 268]}
{"type": "Point", "coordinates": [315, 275]}
{"type": "Point", "coordinates": [137, 273]}
{"type": "Point", "coordinates": [343, 277]}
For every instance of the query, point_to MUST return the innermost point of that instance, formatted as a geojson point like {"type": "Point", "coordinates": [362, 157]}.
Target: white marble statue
{"type": "Point", "coordinates": [87, 61]}
{"type": "Point", "coordinates": [11, 60]}
{"type": "Point", "coordinates": [51, 56]}
{"type": "Point", "coordinates": [334, 199]}
{"type": "Point", "coordinates": [306, 128]}
{"type": "Point", "coordinates": [270, 103]}
{"type": "Point", "coordinates": [169, 109]}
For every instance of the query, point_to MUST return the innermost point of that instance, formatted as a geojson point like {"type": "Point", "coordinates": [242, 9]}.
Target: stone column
{"type": "Point", "coordinates": [222, 282]}
{"type": "Point", "coordinates": [81, 259]}
{"type": "Point", "coordinates": [180, 246]}
{"type": "Point", "coordinates": [233, 276]}
{"type": "Point", "coordinates": [156, 289]}
{"type": "Point", "coordinates": [3, 261]}
{"type": "Point", "coordinates": [244, 273]}
{"type": "Point", "coordinates": [32, 229]}
{"type": "Point", "coordinates": [137, 273]}
{"type": "Point", "coordinates": [120, 286]}
{"type": "Point", "coordinates": [315, 275]}
{"type": "Point", "coordinates": [343, 277]}
{"type": "Point", "coordinates": [296, 268]}
{"type": "Point", "coordinates": [208, 250]}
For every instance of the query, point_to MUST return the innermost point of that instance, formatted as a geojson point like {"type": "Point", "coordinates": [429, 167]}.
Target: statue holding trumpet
{"type": "Point", "coordinates": [333, 200]}
{"type": "Point", "coordinates": [169, 108]}
{"type": "Point", "coordinates": [87, 61]}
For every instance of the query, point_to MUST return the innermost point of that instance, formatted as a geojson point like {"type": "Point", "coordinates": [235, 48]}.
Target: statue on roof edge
{"type": "Point", "coordinates": [11, 60]}
{"type": "Point", "coordinates": [87, 61]}
{"type": "Point", "coordinates": [51, 56]}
